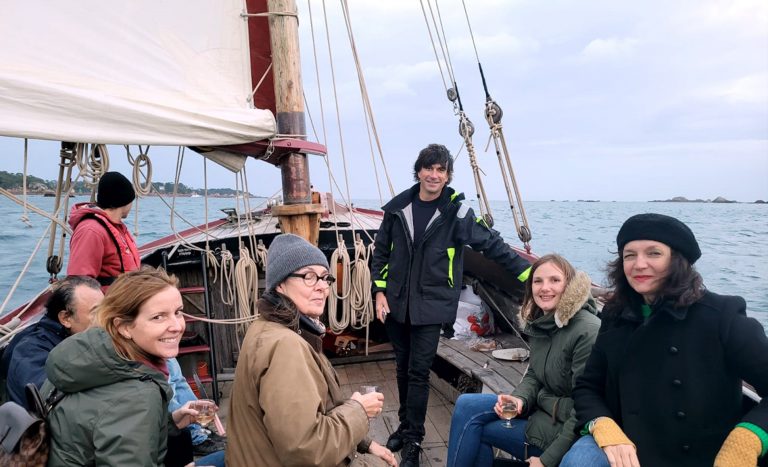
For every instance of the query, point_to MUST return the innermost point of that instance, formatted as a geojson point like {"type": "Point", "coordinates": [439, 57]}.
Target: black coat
{"type": "Point", "coordinates": [425, 279]}
{"type": "Point", "coordinates": [673, 382]}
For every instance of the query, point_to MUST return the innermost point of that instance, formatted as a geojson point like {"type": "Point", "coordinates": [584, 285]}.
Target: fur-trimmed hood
{"type": "Point", "coordinates": [576, 296]}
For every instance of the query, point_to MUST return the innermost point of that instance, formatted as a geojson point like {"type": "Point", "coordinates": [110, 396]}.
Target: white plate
{"type": "Point", "coordinates": [515, 354]}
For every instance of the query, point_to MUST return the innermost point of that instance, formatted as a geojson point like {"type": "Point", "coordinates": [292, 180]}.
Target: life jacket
{"type": "Point", "coordinates": [124, 252]}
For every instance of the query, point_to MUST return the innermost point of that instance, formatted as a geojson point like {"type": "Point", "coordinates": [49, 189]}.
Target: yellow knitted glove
{"type": "Point", "coordinates": [740, 449]}
{"type": "Point", "coordinates": [607, 433]}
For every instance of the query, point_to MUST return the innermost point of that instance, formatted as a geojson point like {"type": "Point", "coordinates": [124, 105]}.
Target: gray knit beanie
{"type": "Point", "coordinates": [287, 254]}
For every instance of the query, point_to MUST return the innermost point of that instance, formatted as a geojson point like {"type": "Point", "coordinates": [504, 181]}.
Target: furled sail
{"type": "Point", "coordinates": [160, 72]}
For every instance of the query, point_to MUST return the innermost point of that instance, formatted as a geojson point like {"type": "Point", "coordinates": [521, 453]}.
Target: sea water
{"type": "Point", "coordinates": [733, 238]}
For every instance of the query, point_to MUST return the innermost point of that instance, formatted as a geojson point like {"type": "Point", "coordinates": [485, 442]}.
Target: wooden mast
{"type": "Point", "coordinates": [297, 215]}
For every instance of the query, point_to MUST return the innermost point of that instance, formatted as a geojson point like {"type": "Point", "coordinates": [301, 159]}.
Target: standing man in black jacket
{"type": "Point", "coordinates": [417, 274]}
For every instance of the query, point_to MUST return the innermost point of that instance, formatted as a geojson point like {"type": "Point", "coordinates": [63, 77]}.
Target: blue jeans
{"type": "Point", "coordinates": [215, 459]}
{"type": "Point", "coordinates": [585, 453]}
{"type": "Point", "coordinates": [182, 394]}
{"type": "Point", "coordinates": [476, 430]}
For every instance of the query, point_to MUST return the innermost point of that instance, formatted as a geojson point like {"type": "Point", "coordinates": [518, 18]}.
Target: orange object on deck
{"type": "Point", "coordinates": [202, 369]}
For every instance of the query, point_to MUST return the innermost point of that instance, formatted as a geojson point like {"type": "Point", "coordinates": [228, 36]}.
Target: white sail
{"type": "Point", "coordinates": [160, 72]}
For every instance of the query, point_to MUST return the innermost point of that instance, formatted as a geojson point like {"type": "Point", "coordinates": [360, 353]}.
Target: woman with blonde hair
{"type": "Point", "coordinates": [114, 377]}
{"type": "Point", "coordinates": [558, 316]}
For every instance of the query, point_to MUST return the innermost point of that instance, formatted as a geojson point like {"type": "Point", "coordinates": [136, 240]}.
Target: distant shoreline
{"type": "Point", "coordinates": [718, 200]}
{"type": "Point", "coordinates": [51, 193]}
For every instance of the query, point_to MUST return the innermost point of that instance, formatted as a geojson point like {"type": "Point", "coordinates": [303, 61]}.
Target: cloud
{"type": "Point", "coordinates": [400, 78]}
{"type": "Point", "coordinates": [747, 89]}
{"type": "Point", "coordinates": [492, 45]}
{"type": "Point", "coordinates": [609, 49]}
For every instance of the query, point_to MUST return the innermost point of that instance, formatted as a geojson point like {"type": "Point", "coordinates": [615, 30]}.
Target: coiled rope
{"type": "Point", "coordinates": [360, 300]}
{"type": "Point", "coordinates": [340, 259]}
{"type": "Point", "coordinates": [93, 162]}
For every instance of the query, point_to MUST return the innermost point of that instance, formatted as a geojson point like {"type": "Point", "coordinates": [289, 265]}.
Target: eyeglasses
{"type": "Point", "coordinates": [310, 278]}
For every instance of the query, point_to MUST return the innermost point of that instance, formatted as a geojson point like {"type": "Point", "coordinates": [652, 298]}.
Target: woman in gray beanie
{"type": "Point", "coordinates": [286, 405]}
{"type": "Point", "coordinates": [662, 386]}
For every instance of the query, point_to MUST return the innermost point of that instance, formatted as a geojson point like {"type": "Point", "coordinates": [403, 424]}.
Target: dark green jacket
{"type": "Point", "coordinates": [560, 345]}
{"type": "Point", "coordinates": [424, 279]}
{"type": "Point", "coordinates": [114, 412]}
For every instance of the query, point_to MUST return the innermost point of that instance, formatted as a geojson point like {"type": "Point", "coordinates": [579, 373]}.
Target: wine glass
{"type": "Point", "coordinates": [508, 411]}
{"type": "Point", "coordinates": [367, 389]}
{"type": "Point", "coordinates": [205, 412]}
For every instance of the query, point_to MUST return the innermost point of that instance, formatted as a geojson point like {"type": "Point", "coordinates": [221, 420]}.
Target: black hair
{"type": "Point", "coordinates": [63, 296]}
{"type": "Point", "coordinates": [683, 285]}
{"type": "Point", "coordinates": [431, 155]}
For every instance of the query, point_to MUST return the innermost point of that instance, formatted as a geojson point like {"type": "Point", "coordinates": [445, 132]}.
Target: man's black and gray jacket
{"type": "Point", "coordinates": [424, 279]}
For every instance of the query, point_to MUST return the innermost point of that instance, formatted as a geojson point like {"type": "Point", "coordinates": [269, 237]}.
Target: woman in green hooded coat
{"type": "Point", "coordinates": [558, 315]}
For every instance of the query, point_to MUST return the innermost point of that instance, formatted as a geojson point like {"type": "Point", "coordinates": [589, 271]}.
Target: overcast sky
{"type": "Point", "coordinates": [602, 99]}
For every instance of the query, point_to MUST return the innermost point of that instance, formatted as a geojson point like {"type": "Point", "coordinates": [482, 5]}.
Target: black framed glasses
{"type": "Point", "coordinates": [310, 278]}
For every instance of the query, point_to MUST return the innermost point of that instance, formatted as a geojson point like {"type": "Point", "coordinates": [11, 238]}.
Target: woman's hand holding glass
{"type": "Point", "coordinates": [195, 412]}
{"type": "Point", "coordinates": [505, 399]}
{"type": "Point", "coordinates": [372, 402]}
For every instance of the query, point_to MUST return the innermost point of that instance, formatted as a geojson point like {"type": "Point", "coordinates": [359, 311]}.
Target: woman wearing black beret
{"type": "Point", "coordinates": [662, 386]}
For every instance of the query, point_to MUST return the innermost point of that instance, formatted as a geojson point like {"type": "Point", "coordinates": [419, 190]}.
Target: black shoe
{"type": "Point", "coordinates": [218, 439]}
{"type": "Point", "coordinates": [208, 446]}
{"type": "Point", "coordinates": [410, 455]}
{"type": "Point", "coordinates": [395, 441]}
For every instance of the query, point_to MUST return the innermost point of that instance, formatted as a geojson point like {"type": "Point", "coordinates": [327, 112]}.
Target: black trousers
{"type": "Point", "coordinates": [415, 348]}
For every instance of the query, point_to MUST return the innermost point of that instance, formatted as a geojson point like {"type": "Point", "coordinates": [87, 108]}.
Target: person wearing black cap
{"type": "Point", "coordinates": [287, 407]}
{"type": "Point", "coordinates": [102, 246]}
{"type": "Point", "coordinates": [663, 385]}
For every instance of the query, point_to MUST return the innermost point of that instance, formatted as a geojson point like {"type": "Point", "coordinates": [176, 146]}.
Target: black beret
{"type": "Point", "coordinates": [661, 228]}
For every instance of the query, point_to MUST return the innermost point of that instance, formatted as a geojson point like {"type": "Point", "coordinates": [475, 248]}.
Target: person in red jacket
{"type": "Point", "coordinates": [101, 245]}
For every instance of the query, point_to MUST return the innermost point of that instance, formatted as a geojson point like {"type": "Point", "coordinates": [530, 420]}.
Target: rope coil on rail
{"type": "Point", "coordinates": [340, 258]}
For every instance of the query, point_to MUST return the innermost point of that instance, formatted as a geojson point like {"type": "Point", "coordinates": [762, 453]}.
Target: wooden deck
{"type": "Point", "coordinates": [495, 375]}
{"type": "Point", "coordinates": [382, 374]}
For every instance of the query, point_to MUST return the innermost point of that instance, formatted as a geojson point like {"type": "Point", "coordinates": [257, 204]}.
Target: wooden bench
{"type": "Point", "coordinates": [497, 376]}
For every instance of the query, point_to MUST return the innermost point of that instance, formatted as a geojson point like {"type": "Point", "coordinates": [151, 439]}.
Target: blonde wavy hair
{"type": "Point", "coordinates": [121, 306]}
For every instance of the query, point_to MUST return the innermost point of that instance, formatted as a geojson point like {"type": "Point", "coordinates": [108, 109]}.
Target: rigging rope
{"type": "Point", "coordinates": [93, 162]}
{"type": "Point", "coordinates": [141, 161]}
{"type": "Point", "coordinates": [24, 269]}
{"type": "Point", "coordinates": [367, 107]}
{"type": "Point", "coordinates": [25, 216]}
{"type": "Point", "coordinates": [493, 115]}
{"type": "Point", "coordinates": [246, 286]}
{"type": "Point", "coordinates": [64, 187]}
{"type": "Point", "coordinates": [466, 128]}
{"type": "Point", "coordinates": [226, 288]}
{"type": "Point", "coordinates": [340, 259]}
{"type": "Point", "coordinates": [360, 302]}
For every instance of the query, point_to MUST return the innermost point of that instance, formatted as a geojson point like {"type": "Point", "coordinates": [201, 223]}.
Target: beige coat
{"type": "Point", "coordinates": [286, 406]}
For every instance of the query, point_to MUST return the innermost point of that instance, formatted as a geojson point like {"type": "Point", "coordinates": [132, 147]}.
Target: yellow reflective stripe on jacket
{"type": "Point", "coordinates": [481, 220]}
{"type": "Point", "coordinates": [381, 284]}
{"type": "Point", "coordinates": [524, 275]}
{"type": "Point", "coordinates": [451, 254]}
{"type": "Point", "coordinates": [384, 271]}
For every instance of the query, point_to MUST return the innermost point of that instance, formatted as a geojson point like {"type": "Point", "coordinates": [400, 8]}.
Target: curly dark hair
{"type": "Point", "coordinates": [431, 155]}
{"type": "Point", "coordinates": [683, 285]}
